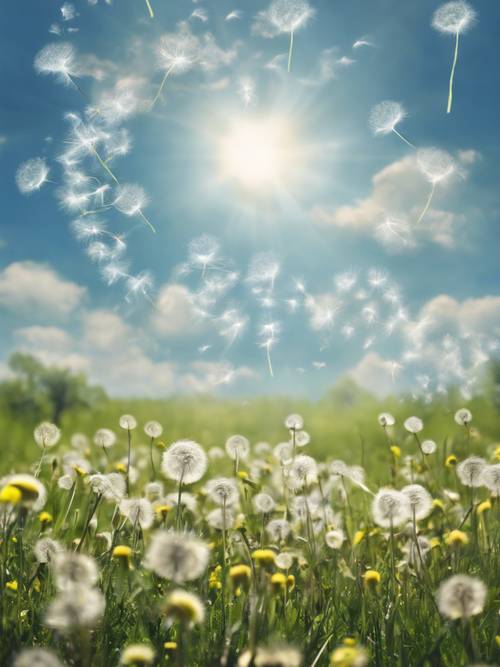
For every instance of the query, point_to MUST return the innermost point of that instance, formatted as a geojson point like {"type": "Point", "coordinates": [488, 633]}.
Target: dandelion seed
{"type": "Point", "coordinates": [385, 116]}
{"type": "Point", "coordinates": [453, 18]}
{"type": "Point", "coordinates": [461, 596]}
{"type": "Point", "coordinates": [31, 175]}
{"type": "Point", "coordinates": [59, 59]}
{"type": "Point", "coordinates": [237, 447]}
{"type": "Point", "coordinates": [436, 165]}
{"type": "Point", "coordinates": [176, 53]}
{"type": "Point", "coordinates": [176, 556]}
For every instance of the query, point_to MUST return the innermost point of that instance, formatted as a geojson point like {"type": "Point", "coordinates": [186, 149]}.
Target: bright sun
{"type": "Point", "coordinates": [257, 153]}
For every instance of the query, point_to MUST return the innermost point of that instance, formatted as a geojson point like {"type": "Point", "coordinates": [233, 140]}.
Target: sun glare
{"type": "Point", "coordinates": [257, 153]}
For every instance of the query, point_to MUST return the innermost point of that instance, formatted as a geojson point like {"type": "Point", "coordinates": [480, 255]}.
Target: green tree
{"type": "Point", "coordinates": [37, 390]}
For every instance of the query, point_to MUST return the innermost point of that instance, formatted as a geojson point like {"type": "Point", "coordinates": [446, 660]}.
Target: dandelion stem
{"type": "Point", "coordinates": [403, 138]}
{"type": "Point", "coordinates": [157, 96]}
{"type": "Point", "coordinates": [290, 51]}
{"type": "Point", "coordinates": [269, 364]}
{"type": "Point", "coordinates": [129, 436]}
{"type": "Point", "coordinates": [150, 9]}
{"type": "Point", "coordinates": [103, 164]}
{"type": "Point", "coordinates": [89, 519]}
{"type": "Point", "coordinates": [428, 203]}
{"type": "Point", "coordinates": [452, 75]}
{"type": "Point", "coordinates": [153, 470]}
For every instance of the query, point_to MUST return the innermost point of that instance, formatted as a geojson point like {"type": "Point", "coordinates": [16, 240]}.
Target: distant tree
{"type": "Point", "coordinates": [38, 391]}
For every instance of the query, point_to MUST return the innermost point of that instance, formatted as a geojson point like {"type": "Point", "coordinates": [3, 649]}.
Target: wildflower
{"type": "Point", "coordinates": [128, 422]}
{"type": "Point", "coordinates": [302, 438]}
{"type": "Point", "coordinates": [451, 461]}
{"type": "Point", "coordinates": [223, 491]}
{"type": "Point", "coordinates": [33, 493]}
{"type": "Point", "coordinates": [214, 579]}
{"type": "Point", "coordinates": [437, 503]}
{"type": "Point", "coordinates": [371, 578]}
{"type": "Point", "coordinates": [334, 538]}
{"type": "Point", "coordinates": [104, 438]}
{"type": "Point", "coordinates": [385, 418]}
{"type": "Point", "coordinates": [31, 175]}
{"type": "Point", "coordinates": [184, 607]}
{"type": "Point", "coordinates": [221, 519]}
{"type": "Point", "coordinates": [12, 585]}
{"type": "Point", "coordinates": [46, 549]}
{"type": "Point", "coordinates": [463, 417]}
{"type": "Point", "coordinates": [138, 655]}
{"type": "Point", "coordinates": [359, 536]}
{"type": "Point", "coordinates": [184, 461]}
{"type": "Point", "coordinates": [349, 656]}
{"type": "Point", "coordinates": [456, 538]}
{"type": "Point", "coordinates": [46, 435]}
{"type": "Point", "coordinates": [264, 557]}
{"type": "Point", "coordinates": [74, 570]}
{"type": "Point", "coordinates": [177, 556]}
{"type": "Point", "coordinates": [483, 507]}
{"type": "Point", "coordinates": [420, 500]}
{"type": "Point", "coordinates": [470, 471]}
{"type": "Point", "coordinates": [278, 530]}
{"type": "Point", "coordinates": [294, 422]}
{"type": "Point", "coordinates": [453, 18]}
{"type": "Point", "coordinates": [390, 508]}
{"type": "Point", "coordinates": [237, 447]}
{"type": "Point", "coordinates": [429, 447]}
{"type": "Point", "coordinates": [302, 472]}
{"type": "Point", "coordinates": [138, 511]}
{"type": "Point", "coordinates": [413, 425]}
{"type": "Point", "coordinates": [461, 596]}
{"type": "Point", "coordinates": [122, 551]}
{"type": "Point", "coordinates": [278, 581]}
{"type": "Point", "coordinates": [170, 646]}
{"type": "Point", "coordinates": [490, 478]}
{"type": "Point", "coordinates": [263, 503]}
{"type": "Point", "coordinates": [79, 608]}
{"type": "Point", "coordinates": [240, 574]}
{"type": "Point", "coordinates": [153, 429]}
{"type": "Point", "coordinates": [36, 657]}
{"type": "Point", "coordinates": [10, 495]}
{"type": "Point", "coordinates": [284, 560]}
{"type": "Point", "coordinates": [111, 486]}
{"type": "Point", "coordinates": [396, 451]}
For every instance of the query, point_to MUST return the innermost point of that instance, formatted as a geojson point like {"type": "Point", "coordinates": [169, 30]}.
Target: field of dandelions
{"type": "Point", "coordinates": [125, 546]}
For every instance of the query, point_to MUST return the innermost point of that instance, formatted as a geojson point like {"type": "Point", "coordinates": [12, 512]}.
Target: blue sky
{"type": "Point", "coordinates": [318, 218]}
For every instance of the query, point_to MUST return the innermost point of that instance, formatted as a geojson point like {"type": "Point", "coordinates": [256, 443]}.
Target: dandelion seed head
{"type": "Point", "coordinates": [46, 549]}
{"type": "Point", "coordinates": [454, 17]}
{"type": "Point", "coordinates": [263, 503]}
{"type": "Point", "coordinates": [138, 511]}
{"type": "Point", "coordinates": [386, 419]}
{"type": "Point", "coordinates": [111, 486]}
{"type": "Point", "coordinates": [36, 657]}
{"type": "Point", "coordinates": [429, 446]}
{"type": "Point", "coordinates": [461, 596]}
{"type": "Point", "coordinates": [46, 435]}
{"type": "Point", "coordinates": [221, 519]}
{"type": "Point", "coordinates": [104, 437]}
{"type": "Point", "coordinates": [278, 529]}
{"type": "Point", "coordinates": [74, 570]}
{"type": "Point", "coordinates": [385, 116]}
{"type": "Point", "coordinates": [463, 417]}
{"type": "Point", "coordinates": [294, 422]}
{"type": "Point", "coordinates": [153, 429]}
{"type": "Point", "coordinates": [470, 471]}
{"type": "Point", "coordinates": [420, 500]}
{"type": "Point", "coordinates": [178, 557]}
{"type": "Point", "coordinates": [223, 491]}
{"type": "Point", "coordinates": [303, 472]}
{"type": "Point", "coordinates": [237, 447]}
{"type": "Point", "coordinates": [184, 461]}
{"type": "Point", "coordinates": [271, 656]}
{"type": "Point", "coordinates": [80, 608]}
{"type": "Point", "coordinates": [283, 452]}
{"type": "Point", "coordinates": [302, 438]}
{"type": "Point", "coordinates": [413, 425]}
{"type": "Point", "coordinates": [390, 508]}
{"type": "Point", "coordinates": [334, 538]}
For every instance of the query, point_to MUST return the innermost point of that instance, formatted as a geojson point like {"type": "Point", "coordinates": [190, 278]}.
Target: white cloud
{"type": "Point", "coordinates": [46, 337]}
{"type": "Point", "coordinates": [374, 374]}
{"type": "Point", "coordinates": [399, 191]}
{"type": "Point", "coordinates": [479, 316]}
{"type": "Point", "coordinates": [175, 314]}
{"type": "Point", "coordinates": [27, 286]}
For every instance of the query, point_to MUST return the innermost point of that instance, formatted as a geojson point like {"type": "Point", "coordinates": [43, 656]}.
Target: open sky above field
{"type": "Point", "coordinates": [312, 263]}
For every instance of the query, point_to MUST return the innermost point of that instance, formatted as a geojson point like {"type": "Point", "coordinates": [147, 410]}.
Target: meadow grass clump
{"type": "Point", "coordinates": [274, 556]}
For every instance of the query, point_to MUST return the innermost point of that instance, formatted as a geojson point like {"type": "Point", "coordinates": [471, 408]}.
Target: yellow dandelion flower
{"type": "Point", "coordinates": [160, 445]}
{"type": "Point", "coordinates": [240, 574]}
{"type": "Point", "coordinates": [437, 503]}
{"type": "Point", "coordinates": [497, 640]}
{"type": "Point", "coordinates": [45, 517]}
{"type": "Point", "coordinates": [184, 607]}
{"type": "Point", "coordinates": [456, 538]}
{"type": "Point", "coordinates": [349, 656]}
{"type": "Point", "coordinates": [358, 537]}
{"type": "Point", "coordinates": [484, 506]}
{"type": "Point", "coordinates": [121, 467]}
{"type": "Point", "coordinates": [122, 551]}
{"type": "Point", "coordinates": [10, 494]}
{"type": "Point", "coordinates": [278, 581]}
{"type": "Point", "coordinates": [434, 542]}
{"type": "Point", "coordinates": [349, 641]}
{"type": "Point", "coordinates": [264, 556]}
{"type": "Point", "coordinates": [371, 578]}
{"type": "Point", "coordinates": [396, 451]}
{"type": "Point", "coordinates": [138, 655]}
{"type": "Point", "coordinates": [242, 474]}
{"type": "Point", "coordinates": [451, 461]}
{"type": "Point", "coordinates": [12, 585]}
{"type": "Point", "coordinates": [163, 510]}
{"type": "Point", "coordinates": [170, 646]}
{"type": "Point", "coordinates": [496, 453]}
{"type": "Point", "coordinates": [290, 582]}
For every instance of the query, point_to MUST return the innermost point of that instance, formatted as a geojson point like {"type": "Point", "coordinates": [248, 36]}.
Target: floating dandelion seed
{"type": "Point", "coordinates": [436, 165]}
{"type": "Point", "coordinates": [269, 335]}
{"type": "Point", "coordinates": [130, 199]}
{"type": "Point", "coordinates": [453, 18]}
{"type": "Point", "coordinates": [176, 53]}
{"type": "Point", "coordinates": [203, 252]}
{"type": "Point", "coordinates": [31, 175]}
{"type": "Point", "coordinates": [284, 16]}
{"type": "Point", "coordinates": [385, 116]}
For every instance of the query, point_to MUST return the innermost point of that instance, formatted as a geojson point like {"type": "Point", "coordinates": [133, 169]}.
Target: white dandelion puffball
{"type": "Point", "coordinates": [435, 164]}
{"type": "Point", "coordinates": [385, 116]}
{"type": "Point", "coordinates": [31, 175]}
{"type": "Point", "coordinates": [470, 471]}
{"type": "Point", "coordinates": [128, 422]}
{"type": "Point", "coordinates": [284, 560]}
{"type": "Point", "coordinates": [490, 478]}
{"type": "Point", "coordinates": [223, 491]}
{"type": "Point", "coordinates": [220, 519]}
{"type": "Point", "coordinates": [58, 58]}
{"type": "Point", "coordinates": [390, 508]}
{"type": "Point", "coordinates": [294, 422]}
{"type": "Point", "coordinates": [413, 425]}
{"type": "Point", "coordinates": [334, 538]}
{"type": "Point", "coordinates": [81, 608]}
{"type": "Point", "coordinates": [289, 15]}
{"type": "Point", "coordinates": [36, 657]}
{"type": "Point", "coordinates": [283, 452]}
{"type": "Point", "coordinates": [386, 419]}
{"type": "Point", "coordinates": [184, 461]}
{"type": "Point", "coordinates": [74, 570]}
{"type": "Point", "coordinates": [138, 511]}
{"type": "Point", "coordinates": [130, 199]}
{"type": "Point", "coordinates": [429, 446]}
{"type": "Point", "coordinates": [153, 429]}
{"type": "Point", "coordinates": [179, 557]}
{"type": "Point", "coordinates": [463, 417]}
{"type": "Point", "coordinates": [237, 447]}
{"type": "Point", "coordinates": [111, 487]}
{"type": "Point", "coordinates": [302, 438]}
{"type": "Point", "coordinates": [263, 503]}
{"type": "Point", "coordinates": [461, 596]}
{"type": "Point", "coordinates": [177, 52]}
{"type": "Point", "coordinates": [46, 435]}
{"type": "Point", "coordinates": [46, 549]}
{"type": "Point", "coordinates": [454, 17]}
{"type": "Point", "coordinates": [104, 437]}
{"type": "Point", "coordinates": [303, 471]}
{"type": "Point", "coordinates": [278, 530]}
{"type": "Point", "coordinates": [420, 500]}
